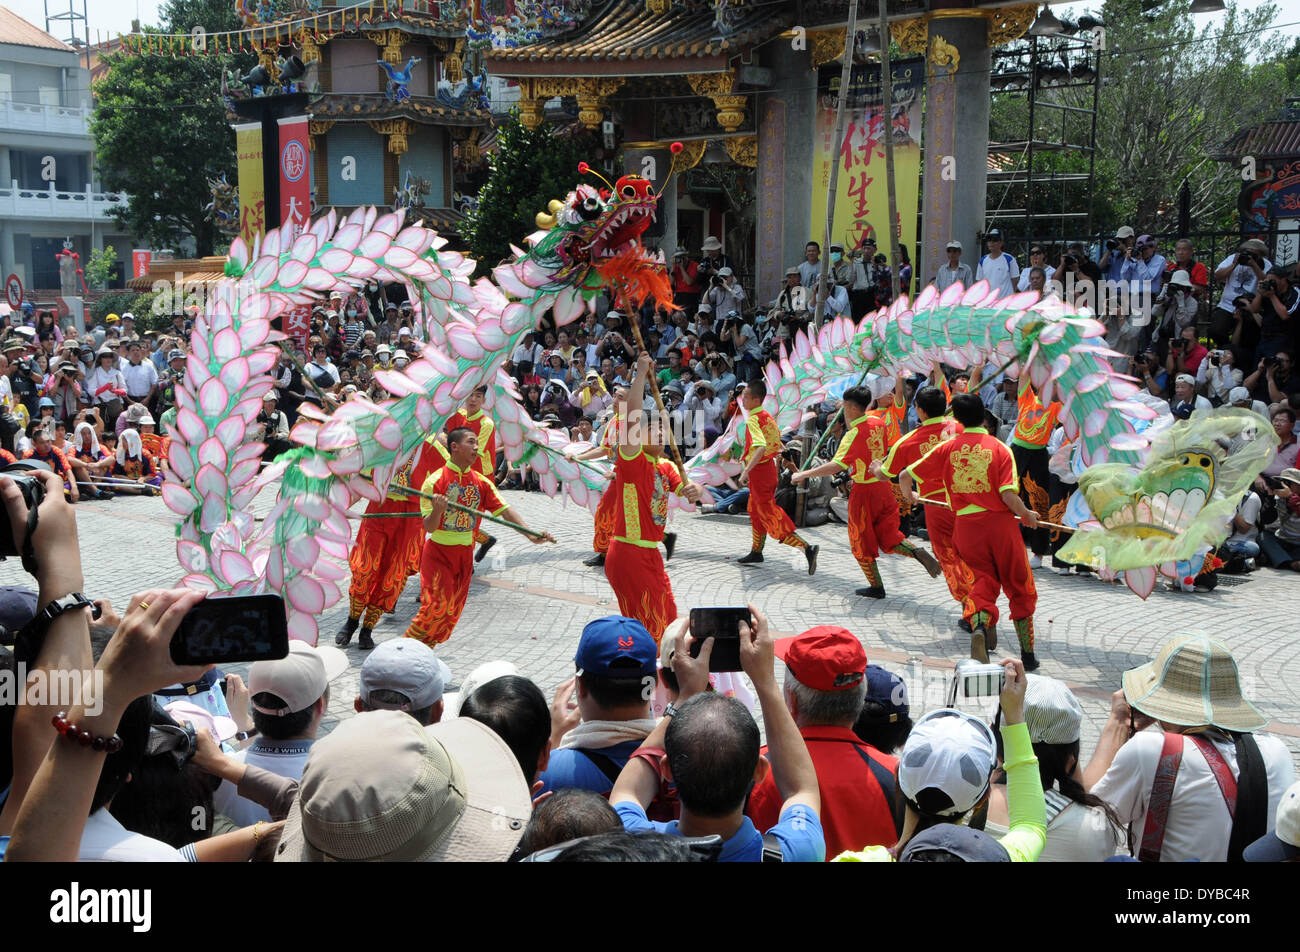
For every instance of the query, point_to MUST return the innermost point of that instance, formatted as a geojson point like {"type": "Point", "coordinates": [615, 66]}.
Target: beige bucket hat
{"type": "Point", "coordinates": [1192, 682]}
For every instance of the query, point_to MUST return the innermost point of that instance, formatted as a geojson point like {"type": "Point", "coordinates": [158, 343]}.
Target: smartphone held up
{"type": "Point", "coordinates": [723, 626]}
{"type": "Point", "coordinates": [227, 628]}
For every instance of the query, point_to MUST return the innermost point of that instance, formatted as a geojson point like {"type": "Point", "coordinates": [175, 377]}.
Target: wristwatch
{"type": "Point", "coordinates": [670, 710]}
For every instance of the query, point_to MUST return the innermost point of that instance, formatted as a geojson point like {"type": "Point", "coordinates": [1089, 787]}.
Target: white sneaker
{"type": "Point", "coordinates": [1062, 569]}
{"type": "Point", "coordinates": [1035, 561]}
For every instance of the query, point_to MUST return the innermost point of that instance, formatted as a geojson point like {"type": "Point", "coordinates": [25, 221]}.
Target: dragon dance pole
{"type": "Point", "coordinates": [1041, 522]}
{"type": "Point", "coordinates": [457, 507]}
{"type": "Point", "coordinates": [653, 380]}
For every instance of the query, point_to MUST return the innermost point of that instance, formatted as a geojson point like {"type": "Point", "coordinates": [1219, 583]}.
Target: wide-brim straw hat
{"type": "Point", "coordinates": [1192, 682]}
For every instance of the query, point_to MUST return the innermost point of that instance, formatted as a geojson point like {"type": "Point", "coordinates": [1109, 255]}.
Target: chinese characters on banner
{"type": "Point", "coordinates": [140, 258]}
{"type": "Point", "coordinates": [861, 202]}
{"type": "Point", "coordinates": [295, 176]}
{"type": "Point", "coordinates": [252, 191]}
{"type": "Point", "coordinates": [297, 326]}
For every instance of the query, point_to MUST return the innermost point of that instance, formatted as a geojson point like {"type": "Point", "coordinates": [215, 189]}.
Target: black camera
{"type": "Point", "coordinates": [1270, 285]}
{"type": "Point", "coordinates": [1112, 244]}
{"type": "Point", "coordinates": [23, 473]}
{"type": "Point", "coordinates": [1244, 257]}
{"type": "Point", "coordinates": [1071, 261]}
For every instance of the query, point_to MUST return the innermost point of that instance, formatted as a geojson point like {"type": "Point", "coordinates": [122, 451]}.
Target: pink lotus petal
{"type": "Point", "coordinates": [304, 248]}
{"type": "Point", "coordinates": [199, 583]}
{"type": "Point", "coordinates": [178, 458]}
{"type": "Point", "coordinates": [1090, 382]}
{"type": "Point", "coordinates": [212, 453]}
{"type": "Point", "coordinates": [214, 513]}
{"type": "Point", "coordinates": [210, 481]}
{"type": "Point", "coordinates": [347, 237]}
{"type": "Point", "coordinates": [213, 398]}
{"type": "Point", "coordinates": [192, 556]}
{"type": "Point", "coordinates": [302, 627]}
{"type": "Point", "coordinates": [230, 432]}
{"type": "Point", "coordinates": [1141, 581]}
{"type": "Point", "coordinates": [388, 434]}
{"type": "Point", "coordinates": [302, 552]}
{"type": "Point", "coordinates": [318, 279]}
{"type": "Point", "coordinates": [190, 427]}
{"type": "Point", "coordinates": [226, 345]}
{"type": "Point", "coordinates": [178, 499]}
{"type": "Point", "coordinates": [240, 473]}
{"type": "Point", "coordinates": [233, 567]}
{"type": "Point", "coordinates": [292, 275]}
{"type": "Point", "coordinates": [1129, 442]}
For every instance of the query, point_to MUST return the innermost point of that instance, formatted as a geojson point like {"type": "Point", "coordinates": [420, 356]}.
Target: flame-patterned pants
{"type": "Point", "coordinates": [939, 523]}
{"type": "Point", "coordinates": [445, 571]}
{"type": "Point", "coordinates": [873, 520]}
{"type": "Point", "coordinates": [766, 518]}
{"type": "Point", "coordinates": [1034, 476]}
{"type": "Point", "coordinates": [385, 554]}
{"type": "Point", "coordinates": [637, 575]}
{"type": "Point", "coordinates": [606, 512]}
{"type": "Point", "coordinates": [990, 543]}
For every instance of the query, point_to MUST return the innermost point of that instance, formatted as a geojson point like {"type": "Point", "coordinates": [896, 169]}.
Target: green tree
{"type": "Point", "coordinates": [99, 269]}
{"type": "Point", "coordinates": [530, 168]}
{"type": "Point", "coordinates": [161, 132]}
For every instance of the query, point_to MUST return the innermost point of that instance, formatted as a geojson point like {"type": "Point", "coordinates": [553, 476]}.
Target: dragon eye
{"type": "Point", "coordinates": [629, 191]}
{"type": "Point", "coordinates": [1205, 461]}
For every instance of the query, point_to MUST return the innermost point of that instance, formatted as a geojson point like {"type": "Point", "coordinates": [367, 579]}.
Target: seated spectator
{"type": "Point", "coordinates": [1207, 734]}
{"type": "Point", "coordinates": [568, 815]}
{"type": "Point", "coordinates": [1242, 547]}
{"type": "Point", "coordinates": [825, 686]}
{"type": "Point", "coordinates": [884, 721]}
{"type": "Point", "coordinates": [946, 768]}
{"type": "Point", "coordinates": [1282, 845]}
{"type": "Point", "coordinates": [515, 709]}
{"type": "Point", "coordinates": [1186, 400]}
{"type": "Point", "coordinates": [709, 747]}
{"type": "Point", "coordinates": [131, 463]}
{"type": "Point", "coordinates": [403, 674]}
{"type": "Point", "coordinates": [382, 788]}
{"type": "Point", "coordinates": [1283, 419]}
{"type": "Point", "coordinates": [289, 698]}
{"type": "Point", "coordinates": [43, 451]}
{"type": "Point", "coordinates": [1080, 826]}
{"type": "Point", "coordinates": [1281, 544]}
{"type": "Point", "coordinates": [602, 714]}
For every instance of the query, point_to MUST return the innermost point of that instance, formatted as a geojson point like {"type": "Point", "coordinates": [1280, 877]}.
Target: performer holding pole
{"type": "Point", "coordinates": [873, 511]}
{"type": "Point", "coordinates": [473, 418]}
{"type": "Point", "coordinates": [641, 485]}
{"type": "Point", "coordinates": [446, 562]}
{"type": "Point", "coordinates": [609, 441]}
{"type": "Point", "coordinates": [979, 474]}
{"type": "Point", "coordinates": [384, 556]}
{"type": "Point", "coordinates": [931, 405]}
{"type": "Point", "coordinates": [762, 447]}
{"type": "Point", "coordinates": [1034, 424]}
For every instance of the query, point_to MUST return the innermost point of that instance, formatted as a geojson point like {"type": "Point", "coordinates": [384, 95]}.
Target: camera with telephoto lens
{"type": "Point", "coordinates": [1244, 257]}
{"type": "Point", "coordinates": [1112, 244]}
{"type": "Point", "coordinates": [23, 473]}
{"type": "Point", "coordinates": [1270, 285]}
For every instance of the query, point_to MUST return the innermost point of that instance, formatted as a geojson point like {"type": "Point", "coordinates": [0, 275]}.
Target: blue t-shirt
{"type": "Point", "coordinates": [799, 831]}
{"type": "Point", "coordinates": [569, 768]}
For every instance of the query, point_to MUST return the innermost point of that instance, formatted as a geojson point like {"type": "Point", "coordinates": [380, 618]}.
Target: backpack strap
{"type": "Point", "coordinates": [1251, 819]}
{"type": "Point", "coordinates": [772, 852]}
{"type": "Point", "coordinates": [888, 787]}
{"type": "Point", "coordinates": [1222, 772]}
{"type": "Point", "coordinates": [605, 765]}
{"type": "Point", "coordinates": [1162, 792]}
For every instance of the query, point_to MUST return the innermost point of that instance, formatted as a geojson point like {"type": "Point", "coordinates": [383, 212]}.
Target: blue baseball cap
{"type": "Point", "coordinates": [616, 647]}
{"type": "Point", "coordinates": [17, 607]}
{"type": "Point", "coordinates": [889, 691]}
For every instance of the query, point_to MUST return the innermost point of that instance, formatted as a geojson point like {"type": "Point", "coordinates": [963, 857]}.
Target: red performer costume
{"type": "Point", "coordinates": [976, 469]}
{"type": "Point", "coordinates": [473, 418]}
{"type": "Point", "coordinates": [762, 447]}
{"type": "Point", "coordinates": [633, 565]}
{"type": "Point", "coordinates": [938, 519]}
{"type": "Point", "coordinates": [387, 551]}
{"type": "Point", "coordinates": [605, 511]}
{"type": "Point", "coordinates": [447, 559]}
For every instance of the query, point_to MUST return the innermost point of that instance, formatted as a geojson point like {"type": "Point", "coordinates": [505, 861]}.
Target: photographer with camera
{"type": "Point", "coordinates": [687, 285]}
{"type": "Point", "coordinates": [24, 378]}
{"type": "Point", "coordinates": [724, 295]}
{"type": "Point", "coordinates": [63, 386]}
{"type": "Point", "coordinates": [737, 332]}
{"type": "Point", "coordinates": [1274, 378]}
{"type": "Point", "coordinates": [1116, 252]}
{"type": "Point", "coordinates": [1175, 310]}
{"type": "Point", "coordinates": [1274, 310]}
{"type": "Point", "coordinates": [704, 403]}
{"type": "Point", "coordinates": [1144, 270]}
{"type": "Point", "coordinates": [1186, 353]}
{"type": "Point", "coordinates": [1241, 275]}
{"type": "Point", "coordinates": [1217, 377]}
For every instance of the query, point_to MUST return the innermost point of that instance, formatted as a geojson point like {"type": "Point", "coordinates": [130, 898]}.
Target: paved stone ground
{"type": "Point", "coordinates": [528, 604]}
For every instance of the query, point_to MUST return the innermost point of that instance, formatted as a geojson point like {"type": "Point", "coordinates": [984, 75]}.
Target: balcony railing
{"type": "Point", "coordinates": [88, 205]}
{"type": "Point", "coordinates": [54, 120]}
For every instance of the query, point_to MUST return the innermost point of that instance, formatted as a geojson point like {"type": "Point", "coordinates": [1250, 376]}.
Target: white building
{"type": "Point", "coordinates": [48, 191]}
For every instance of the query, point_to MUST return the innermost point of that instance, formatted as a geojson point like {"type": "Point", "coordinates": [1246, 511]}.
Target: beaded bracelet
{"type": "Point", "coordinates": [83, 737]}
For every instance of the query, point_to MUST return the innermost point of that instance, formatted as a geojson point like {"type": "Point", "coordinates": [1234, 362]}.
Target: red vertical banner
{"type": "Point", "coordinates": [295, 176]}
{"type": "Point", "coordinates": [140, 258]}
{"type": "Point", "coordinates": [297, 325]}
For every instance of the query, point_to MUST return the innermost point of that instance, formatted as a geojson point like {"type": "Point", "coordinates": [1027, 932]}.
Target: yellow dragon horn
{"type": "Point", "coordinates": [545, 221]}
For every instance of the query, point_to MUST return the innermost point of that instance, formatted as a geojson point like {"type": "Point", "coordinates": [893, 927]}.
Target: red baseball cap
{"type": "Point", "coordinates": [825, 658]}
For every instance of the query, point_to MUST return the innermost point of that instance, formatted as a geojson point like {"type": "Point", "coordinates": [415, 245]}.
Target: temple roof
{"type": "Point", "coordinates": [1267, 140]}
{"type": "Point", "coordinates": [625, 38]}
{"type": "Point", "coordinates": [427, 110]}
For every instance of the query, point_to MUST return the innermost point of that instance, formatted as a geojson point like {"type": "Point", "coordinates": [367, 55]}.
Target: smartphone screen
{"type": "Point", "coordinates": [230, 628]}
{"type": "Point", "coordinates": [722, 625]}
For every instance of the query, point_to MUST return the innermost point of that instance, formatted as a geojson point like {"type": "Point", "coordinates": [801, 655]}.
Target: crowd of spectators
{"type": "Point", "coordinates": [643, 755]}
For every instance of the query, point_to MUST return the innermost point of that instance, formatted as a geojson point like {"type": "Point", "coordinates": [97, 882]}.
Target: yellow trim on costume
{"type": "Point", "coordinates": [631, 512]}
{"type": "Point", "coordinates": [639, 543]}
